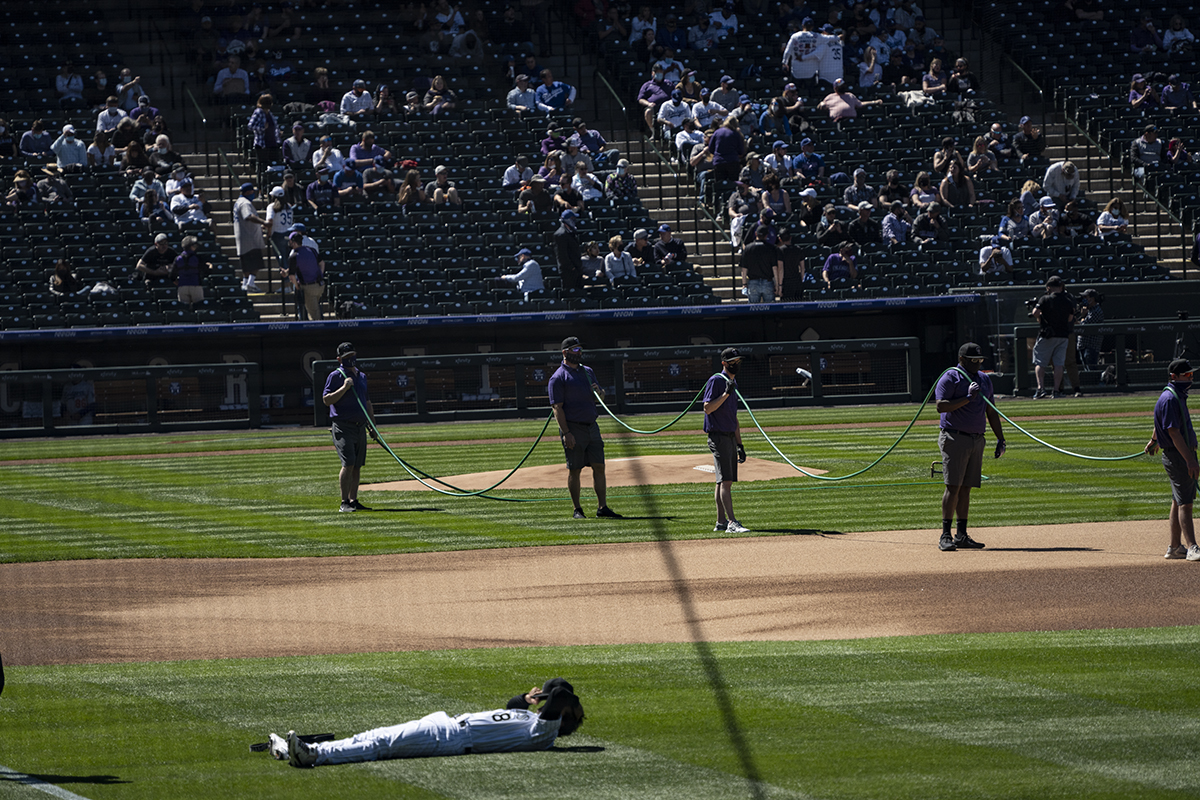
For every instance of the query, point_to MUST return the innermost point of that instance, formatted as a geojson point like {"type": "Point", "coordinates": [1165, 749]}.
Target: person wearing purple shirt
{"type": "Point", "coordinates": [570, 389]}
{"type": "Point", "coordinates": [653, 93]}
{"type": "Point", "coordinates": [724, 436]}
{"type": "Point", "coordinates": [961, 393]}
{"type": "Point", "coordinates": [364, 153]}
{"type": "Point", "coordinates": [727, 146]}
{"type": "Point", "coordinates": [1175, 434]}
{"type": "Point", "coordinates": [349, 406]}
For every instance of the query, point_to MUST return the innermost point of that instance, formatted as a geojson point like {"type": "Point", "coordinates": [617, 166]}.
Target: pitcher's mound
{"type": "Point", "coordinates": [643, 471]}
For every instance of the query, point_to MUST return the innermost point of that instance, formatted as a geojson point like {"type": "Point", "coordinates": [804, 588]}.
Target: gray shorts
{"type": "Point", "coordinates": [1183, 486]}
{"type": "Point", "coordinates": [1050, 352]}
{"type": "Point", "coordinates": [350, 439]}
{"type": "Point", "coordinates": [962, 458]}
{"type": "Point", "coordinates": [589, 447]}
{"type": "Point", "coordinates": [723, 446]}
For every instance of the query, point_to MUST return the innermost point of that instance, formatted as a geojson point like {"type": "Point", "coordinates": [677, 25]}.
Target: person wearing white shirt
{"type": "Point", "coordinates": [691, 134]}
{"type": "Point", "coordinates": [327, 155]}
{"type": "Point", "coordinates": [645, 19]}
{"type": "Point", "coordinates": [101, 153]}
{"type": "Point", "coordinates": [831, 52]}
{"type": "Point", "coordinates": [995, 258]}
{"type": "Point", "coordinates": [618, 265]}
{"type": "Point", "coordinates": [188, 208]}
{"type": "Point", "coordinates": [521, 99]}
{"type": "Point", "coordinates": [1112, 221]}
{"type": "Point", "coordinates": [357, 102]}
{"type": "Point", "coordinates": [68, 150]}
{"type": "Point", "coordinates": [673, 112]}
{"type": "Point", "coordinates": [517, 174]}
{"type": "Point", "coordinates": [587, 184]}
{"type": "Point", "coordinates": [724, 20]}
{"type": "Point", "coordinates": [779, 162]}
{"type": "Point", "coordinates": [802, 55]}
{"type": "Point", "coordinates": [110, 117]}
{"type": "Point", "coordinates": [672, 70]}
{"type": "Point", "coordinates": [529, 278]}
{"type": "Point", "coordinates": [707, 112]}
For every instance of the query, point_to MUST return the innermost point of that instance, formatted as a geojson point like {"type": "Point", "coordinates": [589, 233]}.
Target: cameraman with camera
{"type": "Point", "coordinates": [1055, 312]}
{"type": "Point", "coordinates": [1090, 313]}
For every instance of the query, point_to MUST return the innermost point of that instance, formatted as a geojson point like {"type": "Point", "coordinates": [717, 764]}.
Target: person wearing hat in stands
{"type": "Point", "coordinates": [348, 183]}
{"type": "Point", "coordinates": [590, 141]}
{"type": "Point", "coordinates": [1061, 183]}
{"type": "Point", "coordinates": [1143, 95]}
{"type": "Point", "coordinates": [706, 113]}
{"type": "Point", "coordinates": [831, 231]}
{"type": "Point", "coordinates": [521, 99]}
{"type": "Point", "coordinates": [305, 270]}
{"type": "Point", "coordinates": [802, 53]}
{"type": "Point", "coordinates": [357, 102]}
{"type": "Point", "coordinates": [793, 105]}
{"type": "Point", "coordinates": [780, 163]}
{"type": "Point", "coordinates": [688, 137]}
{"type": "Point", "coordinates": [726, 95]}
{"type": "Point", "coordinates": [351, 418]}
{"type": "Point", "coordinates": [570, 389]}
{"type": "Point", "coordinates": [378, 181]}
{"type": "Point", "coordinates": [148, 182]}
{"type": "Point", "coordinates": [703, 34]}
{"type": "Point", "coordinates": [1044, 221]}
{"type": "Point", "coordinates": [1029, 142]}
{"type": "Point", "coordinates": [566, 251]}
{"type": "Point", "coordinates": [1146, 152]}
{"type": "Point", "coordinates": [841, 266]}
{"type": "Point", "coordinates": [842, 104]}
{"type": "Point", "coordinates": [929, 227]}
{"type": "Point", "coordinates": [859, 192]}
{"type": "Point", "coordinates": [896, 225]}
{"type": "Point", "coordinates": [809, 163]}
{"type": "Point", "coordinates": [517, 174]}
{"type": "Point", "coordinates": [69, 151]}
{"type": "Point", "coordinates": [535, 199]}
{"type": "Point", "coordinates": [529, 277]}
{"type": "Point", "coordinates": [620, 185]}
{"type": "Point", "coordinates": [672, 114]}
{"type": "Point", "coordinates": [326, 155]}
{"type": "Point", "coordinates": [155, 264]}
{"type": "Point", "coordinates": [724, 437]}
{"type": "Point", "coordinates": [995, 258]}
{"type": "Point", "coordinates": [670, 252]}
{"type": "Point", "coordinates": [248, 236]}
{"type": "Point", "coordinates": [441, 189]}
{"type": "Point", "coordinates": [1175, 434]}
{"type": "Point", "coordinates": [188, 209]}
{"type": "Point", "coordinates": [642, 251]}
{"type": "Point", "coordinates": [364, 153]}
{"type": "Point", "coordinates": [53, 190]}
{"type": "Point", "coordinates": [865, 230]}
{"type": "Point", "coordinates": [1177, 95]}
{"type": "Point", "coordinates": [746, 116]}
{"type": "Point", "coordinates": [672, 70]}
{"type": "Point", "coordinates": [296, 148]}
{"type": "Point", "coordinates": [963, 396]}
{"type": "Point", "coordinates": [320, 194]}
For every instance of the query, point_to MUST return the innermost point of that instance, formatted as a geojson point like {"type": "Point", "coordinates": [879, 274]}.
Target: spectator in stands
{"type": "Point", "coordinates": [296, 148]}
{"type": "Point", "coordinates": [870, 71]}
{"type": "Point", "coordinates": [385, 102]}
{"type": "Point", "coordinates": [69, 86]}
{"type": "Point", "coordinates": [378, 181]}
{"type": "Point", "coordinates": [96, 90]}
{"type": "Point", "coordinates": [1029, 142]}
{"type": "Point", "coordinates": [125, 133]}
{"type": "Point", "coordinates": [652, 94]}
{"type": "Point", "coordinates": [535, 200]}
{"type": "Point", "coordinates": [326, 155]}
{"type": "Point", "coordinates": [64, 282]}
{"type": "Point", "coordinates": [620, 185]}
{"type": "Point", "coordinates": [232, 83]}
{"type": "Point", "coordinates": [643, 21]}
{"type": "Point", "coordinates": [892, 190]}
{"type": "Point", "coordinates": [467, 47]}
{"type": "Point", "coordinates": [896, 73]}
{"type": "Point", "coordinates": [957, 189]}
{"type": "Point", "coordinates": [998, 143]}
{"type": "Point", "coordinates": [726, 96]}
{"type": "Point", "coordinates": [357, 103]}
{"type": "Point", "coordinates": [840, 266]}
{"type": "Point", "coordinates": [995, 258]}
{"type": "Point", "coordinates": [440, 98]}
{"type": "Point", "coordinates": [1113, 222]}
{"type": "Point", "coordinates": [1061, 182]}
{"type": "Point", "coordinates": [153, 212]}
{"type": "Point", "coordinates": [162, 155]}
{"type": "Point", "coordinates": [842, 104]}
{"type": "Point", "coordinates": [672, 114]}
{"type": "Point", "coordinates": [809, 162]}
{"type": "Point", "coordinates": [929, 227]}
{"type": "Point", "coordinates": [946, 155]}
{"type": "Point", "coordinates": [1073, 222]}
{"type": "Point", "coordinates": [265, 128]}
{"type": "Point", "coordinates": [741, 204]}
{"type": "Point", "coordinates": [642, 251]}
{"type": "Point", "coordinates": [962, 81]}
{"type": "Point", "coordinates": [144, 109]}
{"type": "Point", "coordinates": [36, 143]}
{"type": "Point", "coordinates": [690, 88]}
{"type": "Point", "coordinates": [688, 137]}
{"type": "Point", "coordinates": [248, 236]}
{"type": "Point", "coordinates": [765, 222]}
{"type": "Point", "coordinates": [320, 194]}
{"type": "Point", "coordinates": [859, 192]}
{"type": "Point", "coordinates": [810, 208]}
{"type": "Point", "coordinates": [148, 182]}
{"type": "Point", "coordinates": [319, 91]}
{"type": "Point", "coordinates": [531, 67]}
{"type": "Point", "coordinates": [762, 270]}
{"type": "Point", "coordinates": [305, 271]}
{"type": "Point", "coordinates": [188, 207]}
{"type": "Point", "coordinates": [364, 153]}
{"type": "Point", "coordinates": [413, 107]}
{"type": "Point", "coordinates": [441, 190]}
{"type": "Point", "coordinates": [594, 143]}
{"type": "Point", "coordinates": [593, 262]}
{"type": "Point", "coordinates": [673, 71]}
{"type": "Point", "coordinates": [129, 89]}
{"type": "Point", "coordinates": [703, 35]}
{"type": "Point", "coordinates": [101, 154]}
{"type": "Point", "coordinates": [671, 34]}
{"type": "Point", "coordinates": [23, 193]}
{"type": "Point", "coordinates": [1145, 152]}
{"type": "Point", "coordinates": [1178, 40]}
{"type": "Point", "coordinates": [1015, 225]}
{"type": "Point", "coordinates": [981, 161]}
{"type": "Point", "coordinates": [154, 266]}
{"type": "Point", "coordinates": [554, 141]}
{"type": "Point", "coordinates": [517, 174]}
{"type": "Point", "coordinates": [1144, 39]}
{"type": "Point", "coordinates": [774, 196]}
{"type": "Point", "coordinates": [511, 30]}
{"type": "Point", "coordinates": [529, 277]}
{"type": "Point", "coordinates": [1177, 155]}
{"type": "Point", "coordinates": [773, 121]}
{"type": "Point", "coordinates": [865, 230]}
{"type": "Point", "coordinates": [753, 173]}
{"type": "Point", "coordinates": [746, 116]}
{"type": "Point", "coordinates": [178, 173]}
{"type": "Point", "coordinates": [134, 159]}
{"type": "Point", "coordinates": [348, 183]}
{"type": "Point", "coordinates": [1142, 95]}
{"type": "Point", "coordinates": [1031, 191]}
{"type": "Point", "coordinates": [924, 194]}
{"type": "Point", "coordinates": [566, 251]}
{"type": "Point", "coordinates": [1044, 221]}
{"type": "Point", "coordinates": [70, 153]}
{"type": "Point", "coordinates": [573, 157]}
{"type": "Point", "coordinates": [618, 264]}
{"type": "Point", "coordinates": [933, 83]}
{"type": "Point", "coordinates": [646, 48]}
{"type": "Point", "coordinates": [896, 225]}
{"type": "Point", "coordinates": [1177, 95]}
{"type": "Point", "coordinates": [551, 169]}
{"type": "Point", "coordinates": [725, 20]}
{"type": "Point", "coordinates": [612, 32]}
{"type": "Point", "coordinates": [587, 184]}
{"type": "Point", "coordinates": [670, 252]}
{"type": "Point", "coordinates": [188, 271]}
{"type": "Point", "coordinates": [521, 99]}
{"type": "Point", "coordinates": [53, 190]}
{"type": "Point", "coordinates": [554, 95]}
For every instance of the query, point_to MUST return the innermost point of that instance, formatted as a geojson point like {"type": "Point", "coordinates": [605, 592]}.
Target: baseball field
{"type": "Point", "coordinates": [167, 600]}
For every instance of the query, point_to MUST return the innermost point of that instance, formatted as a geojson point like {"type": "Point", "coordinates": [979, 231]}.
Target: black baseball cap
{"type": "Point", "coordinates": [344, 348]}
{"type": "Point", "coordinates": [555, 683]}
{"type": "Point", "coordinates": [970, 350]}
{"type": "Point", "coordinates": [569, 342]}
{"type": "Point", "coordinates": [1180, 366]}
{"type": "Point", "coordinates": [730, 354]}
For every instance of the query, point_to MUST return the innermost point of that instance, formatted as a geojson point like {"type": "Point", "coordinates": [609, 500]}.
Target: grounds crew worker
{"type": "Point", "coordinates": [1175, 434]}
{"type": "Point", "coordinates": [570, 389]}
{"type": "Point", "coordinates": [343, 390]}
{"type": "Point", "coordinates": [724, 436]}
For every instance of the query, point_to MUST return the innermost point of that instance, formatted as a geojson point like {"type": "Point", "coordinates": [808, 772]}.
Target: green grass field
{"type": "Point", "coordinates": [1097, 714]}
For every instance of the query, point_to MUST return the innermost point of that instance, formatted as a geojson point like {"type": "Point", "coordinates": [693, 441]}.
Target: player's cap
{"type": "Point", "coordinates": [826, 28]}
{"type": "Point", "coordinates": [345, 348]}
{"type": "Point", "coordinates": [524, 251]}
{"type": "Point", "coordinates": [1046, 202]}
{"type": "Point", "coordinates": [864, 206]}
{"type": "Point", "coordinates": [569, 342]}
{"type": "Point", "coordinates": [277, 191]}
{"type": "Point", "coordinates": [676, 95]}
{"type": "Point", "coordinates": [556, 683]}
{"type": "Point", "coordinates": [641, 233]}
{"type": "Point", "coordinates": [730, 354]}
{"type": "Point", "coordinates": [970, 350]}
{"type": "Point", "coordinates": [1023, 120]}
{"type": "Point", "coordinates": [162, 237]}
{"type": "Point", "coordinates": [779, 144]}
{"type": "Point", "coordinates": [1180, 366]}
{"type": "Point", "coordinates": [807, 21]}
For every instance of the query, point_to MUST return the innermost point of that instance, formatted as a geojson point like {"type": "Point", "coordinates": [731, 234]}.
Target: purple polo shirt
{"type": "Point", "coordinates": [1168, 414]}
{"type": "Point", "coordinates": [971, 418]}
{"type": "Point", "coordinates": [724, 419]}
{"type": "Point", "coordinates": [347, 409]}
{"type": "Point", "coordinates": [726, 146]}
{"type": "Point", "coordinates": [572, 386]}
{"type": "Point", "coordinates": [359, 153]}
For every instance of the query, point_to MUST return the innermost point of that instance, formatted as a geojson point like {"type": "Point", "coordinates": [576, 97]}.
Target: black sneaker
{"type": "Point", "coordinates": [605, 511]}
{"type": "Point", "coordinates": [967, 543]}
{"type": "Point", "coordinates": [946, 543]}
{"type": "Point", "coordinates": [1039, 394]}
{"type": "Point", "coordinates": [347, 507]}
{"type": "Point", "coordinates": [579, 514]}
{"type": "Point", "coordinates": [359, 506]}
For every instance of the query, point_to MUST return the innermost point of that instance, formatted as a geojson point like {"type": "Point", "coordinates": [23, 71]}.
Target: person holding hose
{"type": "Point", "coordinates": [350, 411]}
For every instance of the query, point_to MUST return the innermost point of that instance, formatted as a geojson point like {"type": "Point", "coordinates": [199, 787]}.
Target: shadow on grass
{"type": "Point", "coordinates": [623, 519]}
{"type": "Point", "coordinates": [1043, 550]}
{"type": "Point", "coordinates": [582, 748]}
{"type": "Point", "coordinates": [34, 779]}
{"type": "Point", "coordinates": [798, 531]}
{"type": "Point", "coordinates": [378, 510]}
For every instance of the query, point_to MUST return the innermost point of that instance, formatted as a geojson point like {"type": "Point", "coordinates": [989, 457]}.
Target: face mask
{"type": "Point", "coordinates": [573, 356]}
{"type": "Point", "coordinates": [732, 369]}
{"type": "Point", "coordinates": [323, 178]}
{"type": "Point", "coordinates": [1182, 385]}
{"type": "Point", "coordinates": [349, 361]}
{"type": "Point", "coordinates": [70, 138]}
{"type": "Point", "coordinates": [2, 129]}
{"type": "Point", "coordinates": [620, 170]}
{"type": "Point", "coordinates": [23, 184]}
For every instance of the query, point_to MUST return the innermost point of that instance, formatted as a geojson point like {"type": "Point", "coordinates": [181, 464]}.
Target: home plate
{"type": "Point", "coordinates": [643, 471]}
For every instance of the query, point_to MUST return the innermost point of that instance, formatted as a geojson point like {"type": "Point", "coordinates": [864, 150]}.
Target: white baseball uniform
{"type": "Point", "coordinates": [438, 734]}
{"type": "Point", "coordinates": [803, 52]}
{"type": "Point", "coordinates": [831, 58]}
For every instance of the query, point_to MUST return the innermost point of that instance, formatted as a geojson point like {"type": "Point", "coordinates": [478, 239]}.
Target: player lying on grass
{"type": "Point", "coordinates": [511, 729]}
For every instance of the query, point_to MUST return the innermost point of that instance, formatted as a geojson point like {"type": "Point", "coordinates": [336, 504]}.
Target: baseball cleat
{"type": "Point", "coordinates": [946, 543]}
{"type": "Point", "coordinates": [1193, 553]}
{"type": "Point", "coordinates": [605, 511]}
{"type": "Point", "coordinates": [579, 514]}
{"type": "Point", "coordinates": [967, 543]}
{"type": "Point", "coordinates": [300, 754]}
{"type": "Point", "coordinates": [359, 506]}
{"type": "Point", "coordinates": [277, 746]}
{"type": "Point", "coordinates": [1176, 552]}
{"type": "Point", "coordinates": [736, 527]}
{"type": "Point", "coordinates": [720, 526]}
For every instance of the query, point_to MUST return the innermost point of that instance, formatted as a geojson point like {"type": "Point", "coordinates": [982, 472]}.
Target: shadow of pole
{"type": "Point", "coordinates": [708, 660]}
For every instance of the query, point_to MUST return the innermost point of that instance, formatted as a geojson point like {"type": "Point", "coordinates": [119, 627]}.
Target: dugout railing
{"type": "Point", "coordinates": [66, 402]}
{"type": "Point", "coordinates": [1133, 355]}
{"type": "Point", "coordinates": [635, 380]}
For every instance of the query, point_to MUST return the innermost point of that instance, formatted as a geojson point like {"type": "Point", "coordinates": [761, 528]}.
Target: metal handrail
{"type": "Point", "coordinates": [203, 125]}
{"type": "Point", "coordinates": [164, 56]}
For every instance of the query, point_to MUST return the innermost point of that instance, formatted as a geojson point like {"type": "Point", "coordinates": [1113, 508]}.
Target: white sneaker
{"type": "Point", "coordinates": [251, 284]}
{"type": "Point", "coordinates": [1193, 553]}
{"type": "Point", "coordinates": [1176, 552]}
{"type": "Point", "coordinates": [277, 747]}
{"type": "Point", "coordinates": [300, 754]}
{"type": "Point", "coordinates": [736, 527]}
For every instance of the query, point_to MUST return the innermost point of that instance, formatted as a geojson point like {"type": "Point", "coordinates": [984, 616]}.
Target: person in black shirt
{"type": "Point", "coordinates": [762, 270]}
{"type": "Point", "coordinates": [1056, 315]}
{"type": "Point", "coordinates": [794, 269]}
